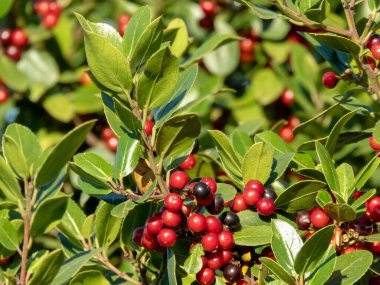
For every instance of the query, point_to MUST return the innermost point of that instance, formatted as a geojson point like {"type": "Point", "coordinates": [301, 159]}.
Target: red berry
{"type": "Point", "coordinates": [5, 260]}
{"type": "Point", "coordinates": [330, 79]}
{"type": "Point", "coordinates": [197, 223]}
{"type": "Point", "coordinates": [211, 183]}
{"type": "Point", "coordinates": [374, 247]}
{"type": "Point", "coordinates": [166, 237]}
{"type": "Point", "coordinates": [246, 45]}
{"type": "Point", "coordinates": [148, 235]}
{"type": "Point", "coordinates": [178, 180]}
{"type": "Point", "coordinates": [242, 282]}
{"type": "Point", "coordinates": [293, 122]}
{"type": "Point", "coordinates": [252, 196]}
{"type": "Point", "coordinates": [227, 256]}
{"type": "Point", "coordinates": [149, 244]}
{"type": "Point", "coordinates": [238, 204]}
{"type": "Point", "coordinates": [4, 95]}
{"type": "Point", "coordinates": [374, 144]}
{"type": "Point", "coordinates": [287, 97]}
{"type": "Point", "coordinates": [357, 194]}
{"type": "Point", "coordinates": [55, 8]}
{"type": "Point", "coordinates": [375, 50]}
{"type": "Point", "coordinates": [112, 143]}
{"type": "Point", "coordinates": [206, 23]}
{"type": "Point", "coordinates": [226, 239]}
{"type": "Point", "coordinates": [173, 202]}
{"type": "Point", "coordinates": [154, 225]}
{"type": "Point", "coordinates": [149, 127]}
{"type": "Point", "coordinates": [214, 225]}
{"type": "Point", "coordinates": [208, 7]}
{"type": "Point", "coordinates": [319, 218]}
{"type": "Point", "coordinates": [214, 260]}
{"type": "Point", "coordinates": [186, 209]}
{"type": "Point", "coordinates": [123, 23]}
{"type": "Point", "coordinates": [268, 252]}
{"type": "Point", "coordinates": [286, 133]}
{"type": "Point", "coordinates": [5, 37]}
{"type": "Point", "coordinates": [13, 52]}
{"type": "Point", "coordinates": [374, 39]}
{"type": "Point", "coordinates": [373, 208]}
{"type": "Point", "coordinates": [107, 133]}
{"type": "Point", "coordinates": [137, 235]}
{"type": "Point", "coordinates": [171, 219]}
{"type": "Point", "coordinates": [247, 57]}
{"type": "Point", "coordinates": [210, 242]}
{"type": "Point", "coordinates": [371, 61]}
{"type": "Point", "coordinates": [206, 276]}
{"type": "Point", "coordinates": [19, 38]}
{"type": "Point", "coordinates": [41, 7]}
{"type": "Point", "coordinates": [265, 207]}
{"type": "Point", "coordinates": [50, 20]}
{"type": "Point", "coordinates": [254, 184]}
{"type": "Point", "coordinates": [85, 79]}
{"type": "Point", "coordinates": [188, 163]}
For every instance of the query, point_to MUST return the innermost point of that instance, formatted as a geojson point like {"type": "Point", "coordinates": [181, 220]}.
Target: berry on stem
{"type": "Point", "coordinates": [226, 240]}
{"type": "Point", "coordinates": [206, 276]}
{"type": "Point", "coordinates": [211, 183]}
{"type": "Point", "coordinates": [238, 204]}
{"type": "Point", "coordinates": [319, 218]}
{"type": "Point", "coordinates": [286, 133]}
{"type": "Point", "coordinates": [197, 223]}
{"type": "Point", "coordinates": [210, 242]}
{"type": "Point", "coordinates": [149, 127]}
{"type": "Point", "coordinates": [173, 202]}
{"type": "Point", "coordinates": [188, 163]}
{"type": "Point", "coordinates": [171, 219]}
{"type": "Point", "coordinates": [375, 50]}
{"type": "Point", "coordinates": [178, 180]}
{"type": "Point", "coordinates": [214, 225]}
{"type": "Point", "coordinates": [167, 237]}
{"type": "Point", "coordinates": [208, 7]}
{"type": "Point", "coordinates": [154, 225]}
{"type": "Point", "coordinates": [287, 97]}
{"type": "Point", "coordinates": [265, 206]}
{"type": "Point", "coordinates": [330, 80]}
{"type": "Point", "coordinates": [19, 38]}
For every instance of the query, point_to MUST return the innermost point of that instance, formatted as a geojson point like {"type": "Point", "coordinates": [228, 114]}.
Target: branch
{"type": "Point", "coordinates": [349, 12]}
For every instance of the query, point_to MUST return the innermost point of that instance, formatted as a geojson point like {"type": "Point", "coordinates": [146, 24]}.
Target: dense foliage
{"type": "Point", "coordinates": [180, 142]}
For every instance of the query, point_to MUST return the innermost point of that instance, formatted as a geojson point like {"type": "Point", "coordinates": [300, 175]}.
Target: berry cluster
{"type": "Point", "coordinates": [13, 42]}
{"type": "Point", "coordinates": [111, 140]}
{"type": "Point", "coordinates": [122, 23]}
{"type": "Point", "coordinates": [209, 8]}
{"type": "Point", "coordinates": [255, 194]}
{"type": "Point", "coordinates": [49, 11]}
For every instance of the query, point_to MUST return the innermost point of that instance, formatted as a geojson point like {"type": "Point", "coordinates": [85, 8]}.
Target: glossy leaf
{"type": "Point", "coordinates": [171, 266]}
{"type": "Point", "coordinates": [350, 267]}
{"type": "Point", "coordinates": [340, 212]}
{"type": "Point", "coordinates": [241, 142]}
{"type": "Point", "coordinates": [15, 157]}
{"type": "Point", "coordinates": [193, 264]}
{"type": "Point", "coordinates": [313, 250]}
{"type": "Point", "coordinates": [300, 196]}
{"type": "Point", "coordinates": [346, 179]}
{"type": "Point", "coordinates": [323, 269]}
{"type": "Point", "coordinates": [277, 270]}
{"type": "Point", "coordinates": [253, 236]}
{"type": "Point", "coordinates": [107, 227]}
{"type": "Point", "coordinates": [176, 32]}
{"type": "Point", "coordinates": [48, 215]}
{"type": "Point", "coordinates": [337, 42]}
{"type": "Point", "coordinates": [280, 165]}
{"type": "Point", "coordinates": [62, 153]}
{"type": "Point", "coordinates": [132, 124]}
{"type": "Point", "coordinates": [158, 79]}
{"type": "Point", "coordinates": [363, 198]}
{"type": "Point", "coordinates": [47, 268]}
{"type": "Point", "coordinates": [8, 235]}
{"type": "Point", "coordinates": [323, 198]}
{"type": "Point", "coordinates": [227, 191]}
{"type": "Point", "coordinates": [94, 165]}
{"type": "Point", "coordinates": [365, 174]}
{"type": "Point", "coordinates": [127, 156]}
{"type": "Point", "coordinates": [89, 277]}
{"type": "Point", "coordinates": [286, 243]}
{"type": "Point", "coordinates": [257, 163]}
{"type": "Point", "coordinates": [113, 120]}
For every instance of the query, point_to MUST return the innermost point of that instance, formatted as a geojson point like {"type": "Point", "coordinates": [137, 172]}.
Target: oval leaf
{"type": "Point", "coordinates": [257, 163]}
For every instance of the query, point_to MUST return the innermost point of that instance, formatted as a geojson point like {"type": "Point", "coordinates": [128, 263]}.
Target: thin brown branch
{"type": "Point", "coordinates": [349, 12]}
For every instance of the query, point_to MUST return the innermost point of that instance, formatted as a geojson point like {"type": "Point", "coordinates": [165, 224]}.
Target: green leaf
{"type": "Point", "coordinates": [286, 243]}
{"type": "Point", "coordinates": [265, 81]}
{"type": "Point", "coordinates": [209, 45]}
{"type": "Point", "coordinates": [149, 42]}
{"type": "Point", "coordinates": [303, 62]}
{"type": "Point", "coordinates": [135, 28]}
{"type": "Point", "coordinates": [14, 156]}
{"type": "Point", "coordinates": [11, 75]}
{"type": "Point", "coordinates": [277, 270]}
{"type": "Point", "coordinates": [300, 196]}
{"type": "Point", "coordinates": [257, 163]}
{"type": "Point", "coordinates": [323, 198]}
{"type": "Point", "coordinates": [171, 267]}
{"type": "Point", "coordinates": [319, 14]}
{"type": "Point", "coordinates": [48, 215]}
{"type": "Point", "coordinates": [94, 165]}
{"type": "Point", "coordinates": [376, 132]}
{"type": "Point", "coordinates": [8, 182]}
{"type": "Point", "coordinates": [261, 11]}
{"type": "Point", "coordinates": [41, 70]}
{"type": "Point", "coordinates": [365, 174]}
{"type": "Point", "coordinates": [340, 212]}
{"type": "Point", "coordinates": [193, 264]}
{"type": "Point", "coordinates": [132, 124]}
{"type": "Point", "coordinates": [363, 198]}
{"type": "Point", "coordinates": [90, 184]}
{"type": "Point", "coordinates": [88, 226]}
{"type": "Point", "coordinates": [226, 152]}
{"type": "Point", "coordinates": [337, 42]}
{"type": "Point", "coordinates": [112, 118]}
{"type": "Point", "coordinates": [227, 191]}
{"type": "Point", "coordinates": [337, 129]}
{"type": "Point", "coordinates": [62, 153]}
{"type": "Point", "coordinates": [313, 250]}
{"type": "Point", "coordinates": [346, 180]}
{"type": "Point", "coordinates": [177, 134]}
{"type": "Point", "coordinates": [158, 79]}
{"type": "Point", "coordinates": [8, 235]}
{"type": "Point", "coordinates": [350, 267]}
{"type": "Point", "coordinates": [127, 156]}
{"type": "Point", "coordinates": [185, 82]}
{"type": "Point", "coordinates": [107, 227]}
{"type": "Point", "coordinates": [72, 266]}
{"type": "Point", "coordinates": [253, 236]}
{"type": "Point", "coordinates": [241, 142]}
{"type": "Point", "coordinates": [105, 59]}
{"type": "Point", "coordinates": [5, 7]}
{"type": "Point", "coordinates": [89, 277]}
{"type": "Point", "coordinates": [323, 269]}
{"type": "Point", "coordinates": [280, 165]}
{"type": "Point", "coordinates": [371, 238]}
{"type": "Point", "coordinates": [328, 169]}
{"type": "Point", "coordinates": [176, 32]}
{"type": "Point", "coordinates": [47, 268]}
{"type": "Point", "coordinates": [59, 106]}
